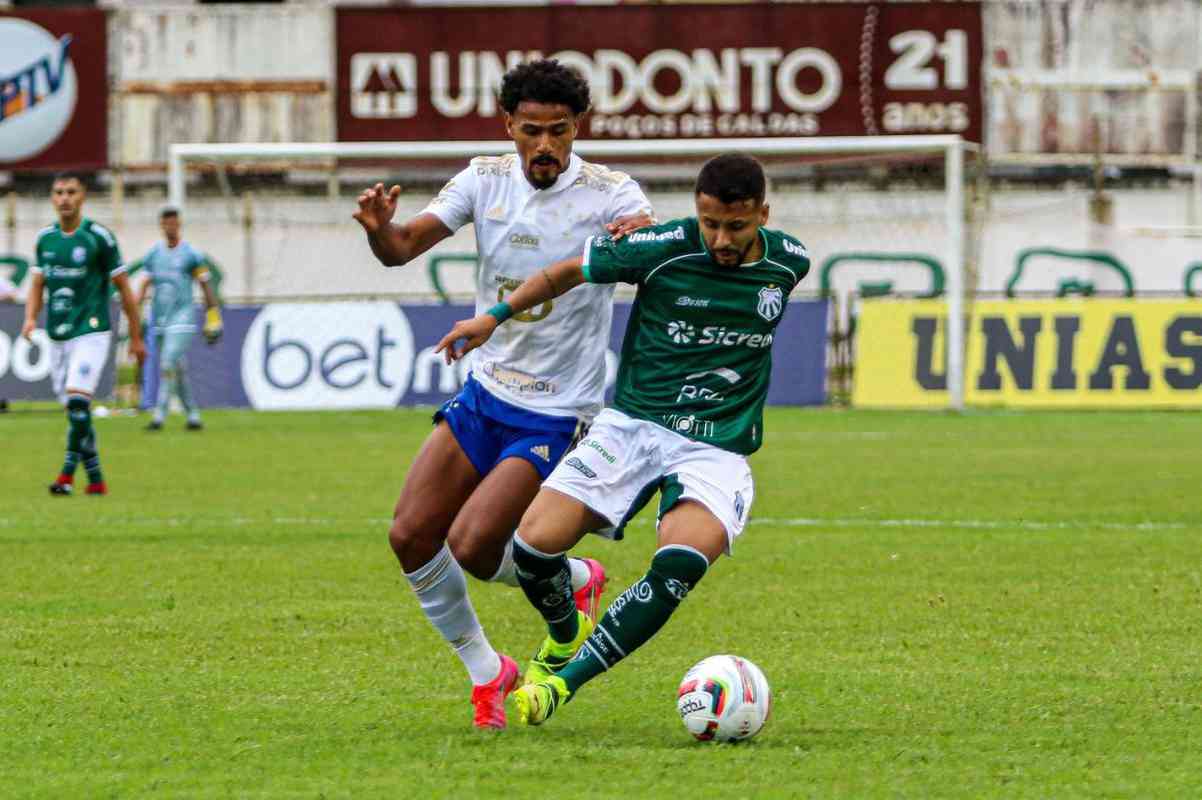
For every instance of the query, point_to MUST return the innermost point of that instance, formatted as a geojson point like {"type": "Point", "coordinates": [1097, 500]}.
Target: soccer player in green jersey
{"type": "Point", "coordinates": [688, 411]}
{"type": "Point", "coordinates": [171, 266]}
{"type": "Point", "coordinates": [76, 263]}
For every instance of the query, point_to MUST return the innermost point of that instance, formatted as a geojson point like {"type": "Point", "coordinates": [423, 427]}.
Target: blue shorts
{"type": "Point", "coordinates": [490, 430]}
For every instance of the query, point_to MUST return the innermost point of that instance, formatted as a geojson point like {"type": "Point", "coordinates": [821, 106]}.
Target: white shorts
{"type": "Point", "coordinates": [77, 364]}
{"type": "Point", "coordinates": [617, 468]}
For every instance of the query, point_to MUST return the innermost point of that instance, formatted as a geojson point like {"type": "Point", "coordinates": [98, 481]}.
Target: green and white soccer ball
{"type": "Point", "coordinates": [724, 699]}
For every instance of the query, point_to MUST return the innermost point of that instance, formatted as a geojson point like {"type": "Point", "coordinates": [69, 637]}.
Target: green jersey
{"type": "Point", "coordinates": [172, 270]}
{"type": "Point", "coordinates": [77, 268]}
{"type": "Point", "coordinates": [697, 353]}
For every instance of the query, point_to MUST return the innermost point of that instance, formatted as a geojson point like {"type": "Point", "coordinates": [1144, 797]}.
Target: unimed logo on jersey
{"type": "Point", "coordinates": [38, 89]}
{"type": "Point", "coordinates": [329, 355]}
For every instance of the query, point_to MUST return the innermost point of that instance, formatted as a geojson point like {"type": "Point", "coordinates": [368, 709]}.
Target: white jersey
{"type": "Point", "coordinates": [550, 359]}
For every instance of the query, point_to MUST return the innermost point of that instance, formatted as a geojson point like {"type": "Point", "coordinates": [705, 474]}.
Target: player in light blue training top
{"type": "Point", "coordinates": [171, 266]}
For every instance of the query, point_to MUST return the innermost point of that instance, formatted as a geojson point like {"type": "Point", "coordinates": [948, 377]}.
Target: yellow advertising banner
{"type": "Point", "coordinates": [1062, 353]}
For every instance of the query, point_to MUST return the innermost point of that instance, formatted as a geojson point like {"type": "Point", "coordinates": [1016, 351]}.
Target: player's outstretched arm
{"type": "Point", "coordinates": [537, 289]}
{"type": "Point", "coordinates": [130, 304]}
{"type": "Point", "coordinates": [33, 305]}
{"type": "Point", "coordinates": [394, 244]}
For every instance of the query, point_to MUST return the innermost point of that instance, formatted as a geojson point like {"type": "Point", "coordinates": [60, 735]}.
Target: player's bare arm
{"type": "Point", "coordinates": [130, 305]}
{"type": "Point", "coordinates": [537, 289]}
{"type": "Point", "coordinates": [33, 305]}
{"type": "Point", "coordinates": [392, 244]}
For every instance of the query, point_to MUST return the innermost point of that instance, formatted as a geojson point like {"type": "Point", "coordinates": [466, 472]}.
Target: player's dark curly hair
{"type": "Point", "coordinates": [544, 81]}
{"type": "Point", "coordinates": [732, 177]}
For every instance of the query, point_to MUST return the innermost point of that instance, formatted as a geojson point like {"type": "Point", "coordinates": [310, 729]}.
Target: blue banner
{"type": "Point", "coordinates": [381, 355]}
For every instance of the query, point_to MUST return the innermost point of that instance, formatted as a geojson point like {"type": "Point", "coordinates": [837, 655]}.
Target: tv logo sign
{"type": "Point", "coordinates": [38, 89]}
{"type": "Point", "coordinates": [327, 355]}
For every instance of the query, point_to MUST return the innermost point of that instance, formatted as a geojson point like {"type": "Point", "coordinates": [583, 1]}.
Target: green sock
{"type": "Point", "coordinates": [547, 582]}
{"type": "Point", "coordinates": [81, 437]}
{"type": "Point", "coordinates": [78, 421]}
{"type": "Point", "coordinates": [637, 614]}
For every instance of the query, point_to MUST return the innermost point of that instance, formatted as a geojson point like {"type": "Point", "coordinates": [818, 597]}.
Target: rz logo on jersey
{"type": "Point", "coordinates": [771, 302]}
{"type": "Point", "coordinates": [681, 332]}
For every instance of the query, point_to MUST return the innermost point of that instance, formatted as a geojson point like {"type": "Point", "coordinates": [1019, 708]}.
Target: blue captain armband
{"type": "Point", "coordinates": [501, 311]}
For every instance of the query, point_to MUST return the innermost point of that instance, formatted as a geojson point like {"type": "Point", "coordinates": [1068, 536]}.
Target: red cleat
{"type": "Point", "coordinates": [588, 598]}
{"type": "Point", "coordinates": [63, 485]}
{"type": "Point", "coordinates": [97, 488]}
{"type": "Point", "coordinates": [489, 698]}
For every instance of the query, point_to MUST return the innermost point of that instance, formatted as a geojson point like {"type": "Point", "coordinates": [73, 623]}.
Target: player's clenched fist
{"type": "Point", "coordinates": [474, 332]}
{"type": "Point", "coordinates": [376, 207]}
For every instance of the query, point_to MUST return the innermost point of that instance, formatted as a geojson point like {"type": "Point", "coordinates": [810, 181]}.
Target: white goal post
{"type": "Point", "coordinates": [951, 146]}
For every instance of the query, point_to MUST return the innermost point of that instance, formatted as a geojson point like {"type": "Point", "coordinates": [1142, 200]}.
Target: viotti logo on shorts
{"type": "Point", "coordinates": [335, 355]}
{"type": "Point", "coordinates": [38, 89]}
{"type": "Point", "coordinates": [642, 237]}
{"type": "Point", "coordinates": [575, 463]}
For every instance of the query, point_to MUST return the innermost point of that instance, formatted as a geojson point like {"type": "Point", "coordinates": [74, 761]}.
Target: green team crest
{"type": "Point", "coordinates": [772, 300]}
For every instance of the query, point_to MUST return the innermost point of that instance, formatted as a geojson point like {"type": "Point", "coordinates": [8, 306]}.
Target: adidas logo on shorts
{"type": "Point", "coordinates": [542, 451]}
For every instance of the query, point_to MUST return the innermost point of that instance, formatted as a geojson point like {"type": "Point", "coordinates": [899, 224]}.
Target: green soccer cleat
{"type": "Point", "coordinates": [553, 656]}
{"type": "Point", "coordinates": [535, 702]}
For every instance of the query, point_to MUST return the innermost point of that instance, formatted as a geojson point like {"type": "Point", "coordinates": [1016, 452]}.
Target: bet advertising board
{"type": "Point", "coordinates": [674, 71]}
{"type": "Point", "coordinates": [283, 356]}
{"type": "Point", "coordinates": [53, 89]}
{"type": "Point", "coordinates": [1066, 353]}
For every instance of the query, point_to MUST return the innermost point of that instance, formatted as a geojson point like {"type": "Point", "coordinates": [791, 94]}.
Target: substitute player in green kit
{"type": "Point", "coordinates": [688, 410]}
{"type": "Point", "coordinates": [77, 262]}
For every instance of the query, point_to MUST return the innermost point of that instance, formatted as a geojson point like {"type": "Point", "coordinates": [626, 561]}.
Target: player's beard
{"type": "Point", "coordinates": [547, 180]}
{"type": "Point", "coordinates": [742, 256]}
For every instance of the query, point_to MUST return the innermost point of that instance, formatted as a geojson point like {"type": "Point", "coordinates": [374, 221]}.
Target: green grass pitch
{"type": "Point", "coordinates": [987, 604]}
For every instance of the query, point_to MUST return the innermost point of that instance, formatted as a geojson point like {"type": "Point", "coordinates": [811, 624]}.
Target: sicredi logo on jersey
{"type": "Point", "coordinates": [38, 89]}
{"type": "Point", "coordinates": [335, 355]}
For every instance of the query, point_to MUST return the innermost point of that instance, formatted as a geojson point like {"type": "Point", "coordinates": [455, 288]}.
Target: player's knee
{"type": "Point", "coordinates": [412, 536]}
{"type": "Point", "coordinates": [475, 550]}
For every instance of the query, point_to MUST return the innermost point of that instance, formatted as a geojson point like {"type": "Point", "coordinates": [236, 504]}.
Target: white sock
{"type": "Point", "coordinates": [441, 589]}
{"type": "Point", "coordinates": [506, 573]}
{"type": "Point", "coordinates": [580, 573]}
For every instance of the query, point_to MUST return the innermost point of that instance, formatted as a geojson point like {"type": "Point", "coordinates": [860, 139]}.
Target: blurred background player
{"type": "Point", "coordinates": [75, 262]}
{"type": "Point", "coordinates": [687, 412]}
{"type": "Point", "coordinates": [532, 389]}
{"type": "Point", "coordinates": [171, 267]}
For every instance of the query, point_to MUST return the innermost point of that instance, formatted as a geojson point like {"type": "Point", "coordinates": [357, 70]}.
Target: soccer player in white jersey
{"type": "Point", "coordinates": [532, 388]}
{"type": "Point", "coordinates": [78, 263]}
{"type": "Point", "coordinates": [693, 379]}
